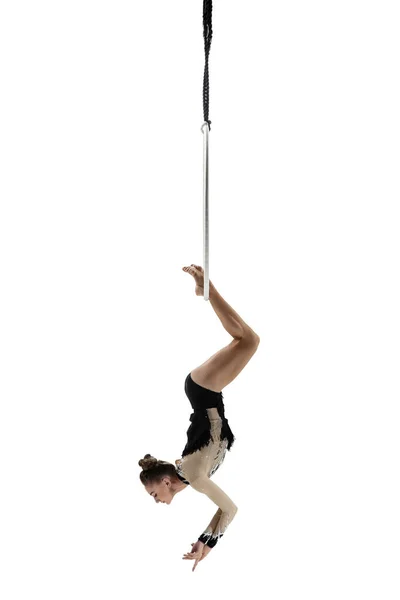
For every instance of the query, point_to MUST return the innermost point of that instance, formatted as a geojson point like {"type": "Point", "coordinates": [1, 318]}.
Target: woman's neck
{"type": "Point", "coordinates": [178, 487]}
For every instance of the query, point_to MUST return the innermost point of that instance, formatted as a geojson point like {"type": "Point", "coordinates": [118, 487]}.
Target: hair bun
{"type": "Point", "coordinates": [148, 462]}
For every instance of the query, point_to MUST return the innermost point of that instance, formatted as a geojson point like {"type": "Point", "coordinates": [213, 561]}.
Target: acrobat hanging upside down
{"type": "Point", "coordinates": [209, 434]}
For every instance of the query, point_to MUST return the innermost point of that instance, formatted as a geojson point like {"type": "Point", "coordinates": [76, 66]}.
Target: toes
{"type": "Point", "coordinates": [193, 269]}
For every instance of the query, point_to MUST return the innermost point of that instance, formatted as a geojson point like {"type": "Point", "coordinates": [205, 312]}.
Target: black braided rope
{"type": "Point", "coordinates": [207, 34]}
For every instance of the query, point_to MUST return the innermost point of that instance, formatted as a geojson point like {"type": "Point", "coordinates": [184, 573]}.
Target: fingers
{"type": "Point", "coordinates": [196, 556]}
{"type": "Point", "coordinates": [191, 556]}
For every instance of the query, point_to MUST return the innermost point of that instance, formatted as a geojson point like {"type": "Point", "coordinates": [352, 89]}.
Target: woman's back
{"type": "Point", "coordinates": [208, 459]}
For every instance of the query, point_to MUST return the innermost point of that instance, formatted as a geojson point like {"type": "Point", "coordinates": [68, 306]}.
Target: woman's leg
{"type": "Point", "coordinates": [226, 364]}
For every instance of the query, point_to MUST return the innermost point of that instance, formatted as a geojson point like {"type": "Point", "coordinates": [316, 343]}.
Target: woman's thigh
{"type": "Point", "coordinates": [226, 364]}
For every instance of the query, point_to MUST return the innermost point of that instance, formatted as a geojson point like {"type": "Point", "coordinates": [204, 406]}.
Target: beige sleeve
{"type": "Point", "coordinates": [211, 527]}
{"type": "Point", "coordinates": [224, 515]}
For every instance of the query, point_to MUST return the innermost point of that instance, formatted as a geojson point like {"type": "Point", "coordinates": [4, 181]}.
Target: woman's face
{"type": "Point", "coordinates": [160, 492]}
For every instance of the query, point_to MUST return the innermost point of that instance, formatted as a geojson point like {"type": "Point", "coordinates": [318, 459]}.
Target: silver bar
{"type": "Point", "coordinates": [206, 237]}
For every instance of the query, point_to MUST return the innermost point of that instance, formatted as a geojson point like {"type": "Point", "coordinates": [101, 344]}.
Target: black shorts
{"type": "Point", "coordinates": [201, 397]}
{"type": "Point", "coordinates": [199, 432]}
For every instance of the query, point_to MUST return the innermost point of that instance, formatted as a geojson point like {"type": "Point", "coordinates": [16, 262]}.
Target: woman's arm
{"type": "Point", "coordinates": [224, 515]}
{"type": "Point", "coordinates": [207, 533]}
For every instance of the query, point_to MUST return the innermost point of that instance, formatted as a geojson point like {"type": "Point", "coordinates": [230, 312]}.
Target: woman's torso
{"type": "Point", "coordinates": [208, 459]}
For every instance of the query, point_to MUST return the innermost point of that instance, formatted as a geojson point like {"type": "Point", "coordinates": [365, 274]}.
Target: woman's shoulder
{"type": "Point", "coordinates": [190, 469]}
{"type": "Point", "coordinates": [181, 472]}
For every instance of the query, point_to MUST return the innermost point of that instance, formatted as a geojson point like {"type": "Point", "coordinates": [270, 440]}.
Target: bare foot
{"type": "Point", "coordinates": [198, 275]}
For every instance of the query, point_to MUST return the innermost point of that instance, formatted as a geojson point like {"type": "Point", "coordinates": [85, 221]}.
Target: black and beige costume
{"type": "Point", "coordinates": [208, 438]}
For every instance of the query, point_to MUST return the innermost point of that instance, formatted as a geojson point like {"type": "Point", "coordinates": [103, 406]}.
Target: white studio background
{"type": "Point", "coordinates": [101, 206]}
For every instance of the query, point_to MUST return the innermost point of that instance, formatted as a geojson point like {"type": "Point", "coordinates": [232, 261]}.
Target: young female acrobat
{"type": "Point", "coordinates": [209, 435]}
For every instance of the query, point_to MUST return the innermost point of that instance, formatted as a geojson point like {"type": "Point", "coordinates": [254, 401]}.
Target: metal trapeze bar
{"type": "Point", "coordinates": [206, 230]}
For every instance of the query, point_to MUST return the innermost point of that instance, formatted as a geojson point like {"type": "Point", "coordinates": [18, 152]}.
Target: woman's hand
{"type": "Point", "coordinates": [195, 554]}
{"type": "Point", "coordinates": [206, 550]}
